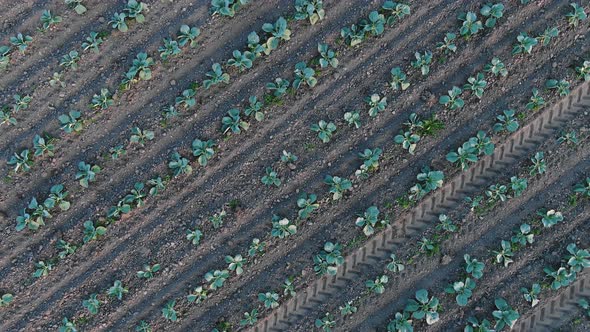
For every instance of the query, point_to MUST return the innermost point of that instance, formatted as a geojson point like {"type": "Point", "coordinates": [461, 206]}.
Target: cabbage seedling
{"type": "Point", "coordinates": [241, 61]}
{"type": "Point", "coordinates": [86, 173]}
{"type": "Point", "coordinates": [424, 307]}
{"type": "Point", "coordinates": [278, 32]}
{"type": "Point", "coordinates": [269, 299]}
{"type": "Point", "coordinates": [376, 24]}
{"type": "Point", "coordinates": [377, 286]}
{"type": "Point", "coordinates": [547, 35]}
{"type": "Point", "coordinates": [49, 20]}
{"type": "Point", "coordinates": [376, 104]}
{"type": "Point", "coordinates": [56, 80]}
{"type": "Point", "coordinates": [102, 101]}
{"type": "Point", "coordinates": [353, 119]}
{"type": "Point", "coordinates": [328, 260]}
{"type": "Point", "coordinates": [539, 165]}
{"type": "Point", "coordinates": [562, 86]}
{"type": "Point", "coordinates": [250, 318]}
{"type": "Point", "coordinates": [216, 278]}
{"type": "Point", "coordinates": [304, 74]}
{"type": "Point", "coordinates": [43, 146]}
{"type": "Point", "coordinates": [233, 122]}
{"type": "Point", "coordinates": [254, 44]}
{"type": "Point", "coordinates": [309, 9]}
{"type": "Point", "coordinates": [370, 220]}
{"type": "Point", "coordinates": [141, 136]}
{"type": "Point", "coordinates": [583, 303]}
{"type": "Point", "coordinates": [282, 227]}
{"type": "Point", "coordinates": [577, 15]}
{"type": "Point", "coordinates": [217, 219]}
{"type": "Point", "coordinates": [518, 185]}
{"type": "Point", "coordinates": [353, 36]}
{"type": "Point", "coordinates": [326, 323]}
{"type": "Point", "coordinates": [475, 326]}
{"type": "Point", "coordinates": [568, 138]}
{"type": "Point", "coordinates": [496, 67]}
{"type": "Point", "coordinates": [216, 76]}
{"type": "Point", "coordinates": [288, 157]}
{"type": "Point", "coordinates": [179, 165]}
{"type": "Point", "coordinates": [505, 254]}
{"type": "Point", "coordinates": [578, 259]}
{"type": "Point", "coordinates": [187, 99]}
{"type": "Point", "coordinates": [279, 87]}
{"type": "Point", "coordinates": [92, 42]}
{"type": "Point", "coordinates": [584, 71]}
{"type": "Point", "coordinates": [133, 10]}
{"type": "Point", "coordinates": [22, 42]}
{"type": "Point", "coordinates": [307, 204]}
{"type": "Point", "coordinates": [91, 304]}
{"type": "Point", "coordinates": [399, 79]}
{"type": "Point", "coordinates": [21, 103]}
{"type": "Point", "coordinates": [327, 56]}
{"type": "Point", "coordinates": [338, 186]}
{"type": "Point", "coordinates": [523, 235]}
{"type": "Point", "coordinates": [395, 265]}
{"type": "Point", "coordinates": [141, 65]}
{"type": "Point", "coordinates": [34, 220]}
{"type": "Point", "coordinates": [465, 154]}
{"type": "Point", "coordinates": [256, 247]}
{"type": "Point", "coordinates": [148, 271]}
{"type": "Point", "coordinates": [77, 5]}
{"type": "Point", "coordinates": [68, 326]}
{"type": "Point", "coordinates": [4, 56]}
{"type": "Point", "coordinates": [118, 22]}
{"type": "Point", "coordinates": [143, 327]}
{"type": "Point", "coordinates": [429, 181]}
{"type": "Point", "coordinates": [168, 311]}
{"type": "Point", "coordinates": [188, 35]}
{"type": "Point", "coordinates": [445, 224]}
{"type": "Point", "coordinates": [226, 7]}
{"type": "Point", "coordinates": [493, 13]}
{"type": "Point", "coordinates": [6, 299]}
{"type": "Point", "coordinates": [203, 150]}
{"type": "Point", "coordinates": [422, 62]}
{"type": "Point", "coordinates": [156, 185]}
{"type": "Point", "coordinates": [473, 266]}
{"type": "Point", "coordinates": [448, 44]}
{"type": "Point", "coordinates": [236, 263]}
{"type": "Point", "coordinates": [397, 11]}
{"type": "Point", "coordinates": [57, 197]}
{"type": "Point", "coordinates": [43, 269]}
{"type": "Point", "coordinates": [169, 49]}
{"type": "Point", "coordinates": [504, 315]}
{"type": "Point", "coordinates": [370, 158]}
{"type": "Point", "coordinates": [92, 232]}
{"type": "Point", "coordinates": [524, 44]}
{"type": "Point", "coordinates": [506, 122]}
{"type": "Point", "coordinates": [428, 246]}
{"type": "Point", "coordinates": [463, 289]}
{"type": "Point", "coordinates": [536, 101]}
{"type": "Point", "coordinates": [198, 295]}
{"type": "Point", "coordinates": [6, 118]}
{"type": "Point", "coordinates": [497, 192]}
{"type": "Point", "coordinates": [401, 322]}
{"type": "Point", "coordinates": [583, 188]}
{"type": "Point", "coordinates": [531, 295]}
{"type": "Point", "coordinates": [324, 129]}
{"type": "Point", "coordinates": [560, 278]}
{"type": "Point", "coordinates": [65, 248]}
{"type": "Point", "coordinates": [21, 161]}
{"type": "Point", "coordinates": [136, 196]}
{"type": "Point", "coordinates": [471, 25]}
{"type": "Point", "coordinates": [408, 141]}
{"type": "Point", "coordinates": [476, 84]}
{"type": "Point", "coordinates": [71, 122]}
{"type": "Point", "coordinates": [121, 208]}
{"type": "Point", "coordinates": [117, 152]}
{"type": "Point", "coordinates": [288, 287]}
{"type": "Point", "coordinates": [194, 236]}
{"type": "Point", "coordinates": [452, 101]}
{"type": "Point", "coordinates": [117, 290]}
{"type": "Point", "coordinates": [550, 218]}
{"type": "Point", "coordinates": [254, 107]}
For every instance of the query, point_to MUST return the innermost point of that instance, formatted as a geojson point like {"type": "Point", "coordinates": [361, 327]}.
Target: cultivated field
{"type": "Point", "coordinates": [294, 165]}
